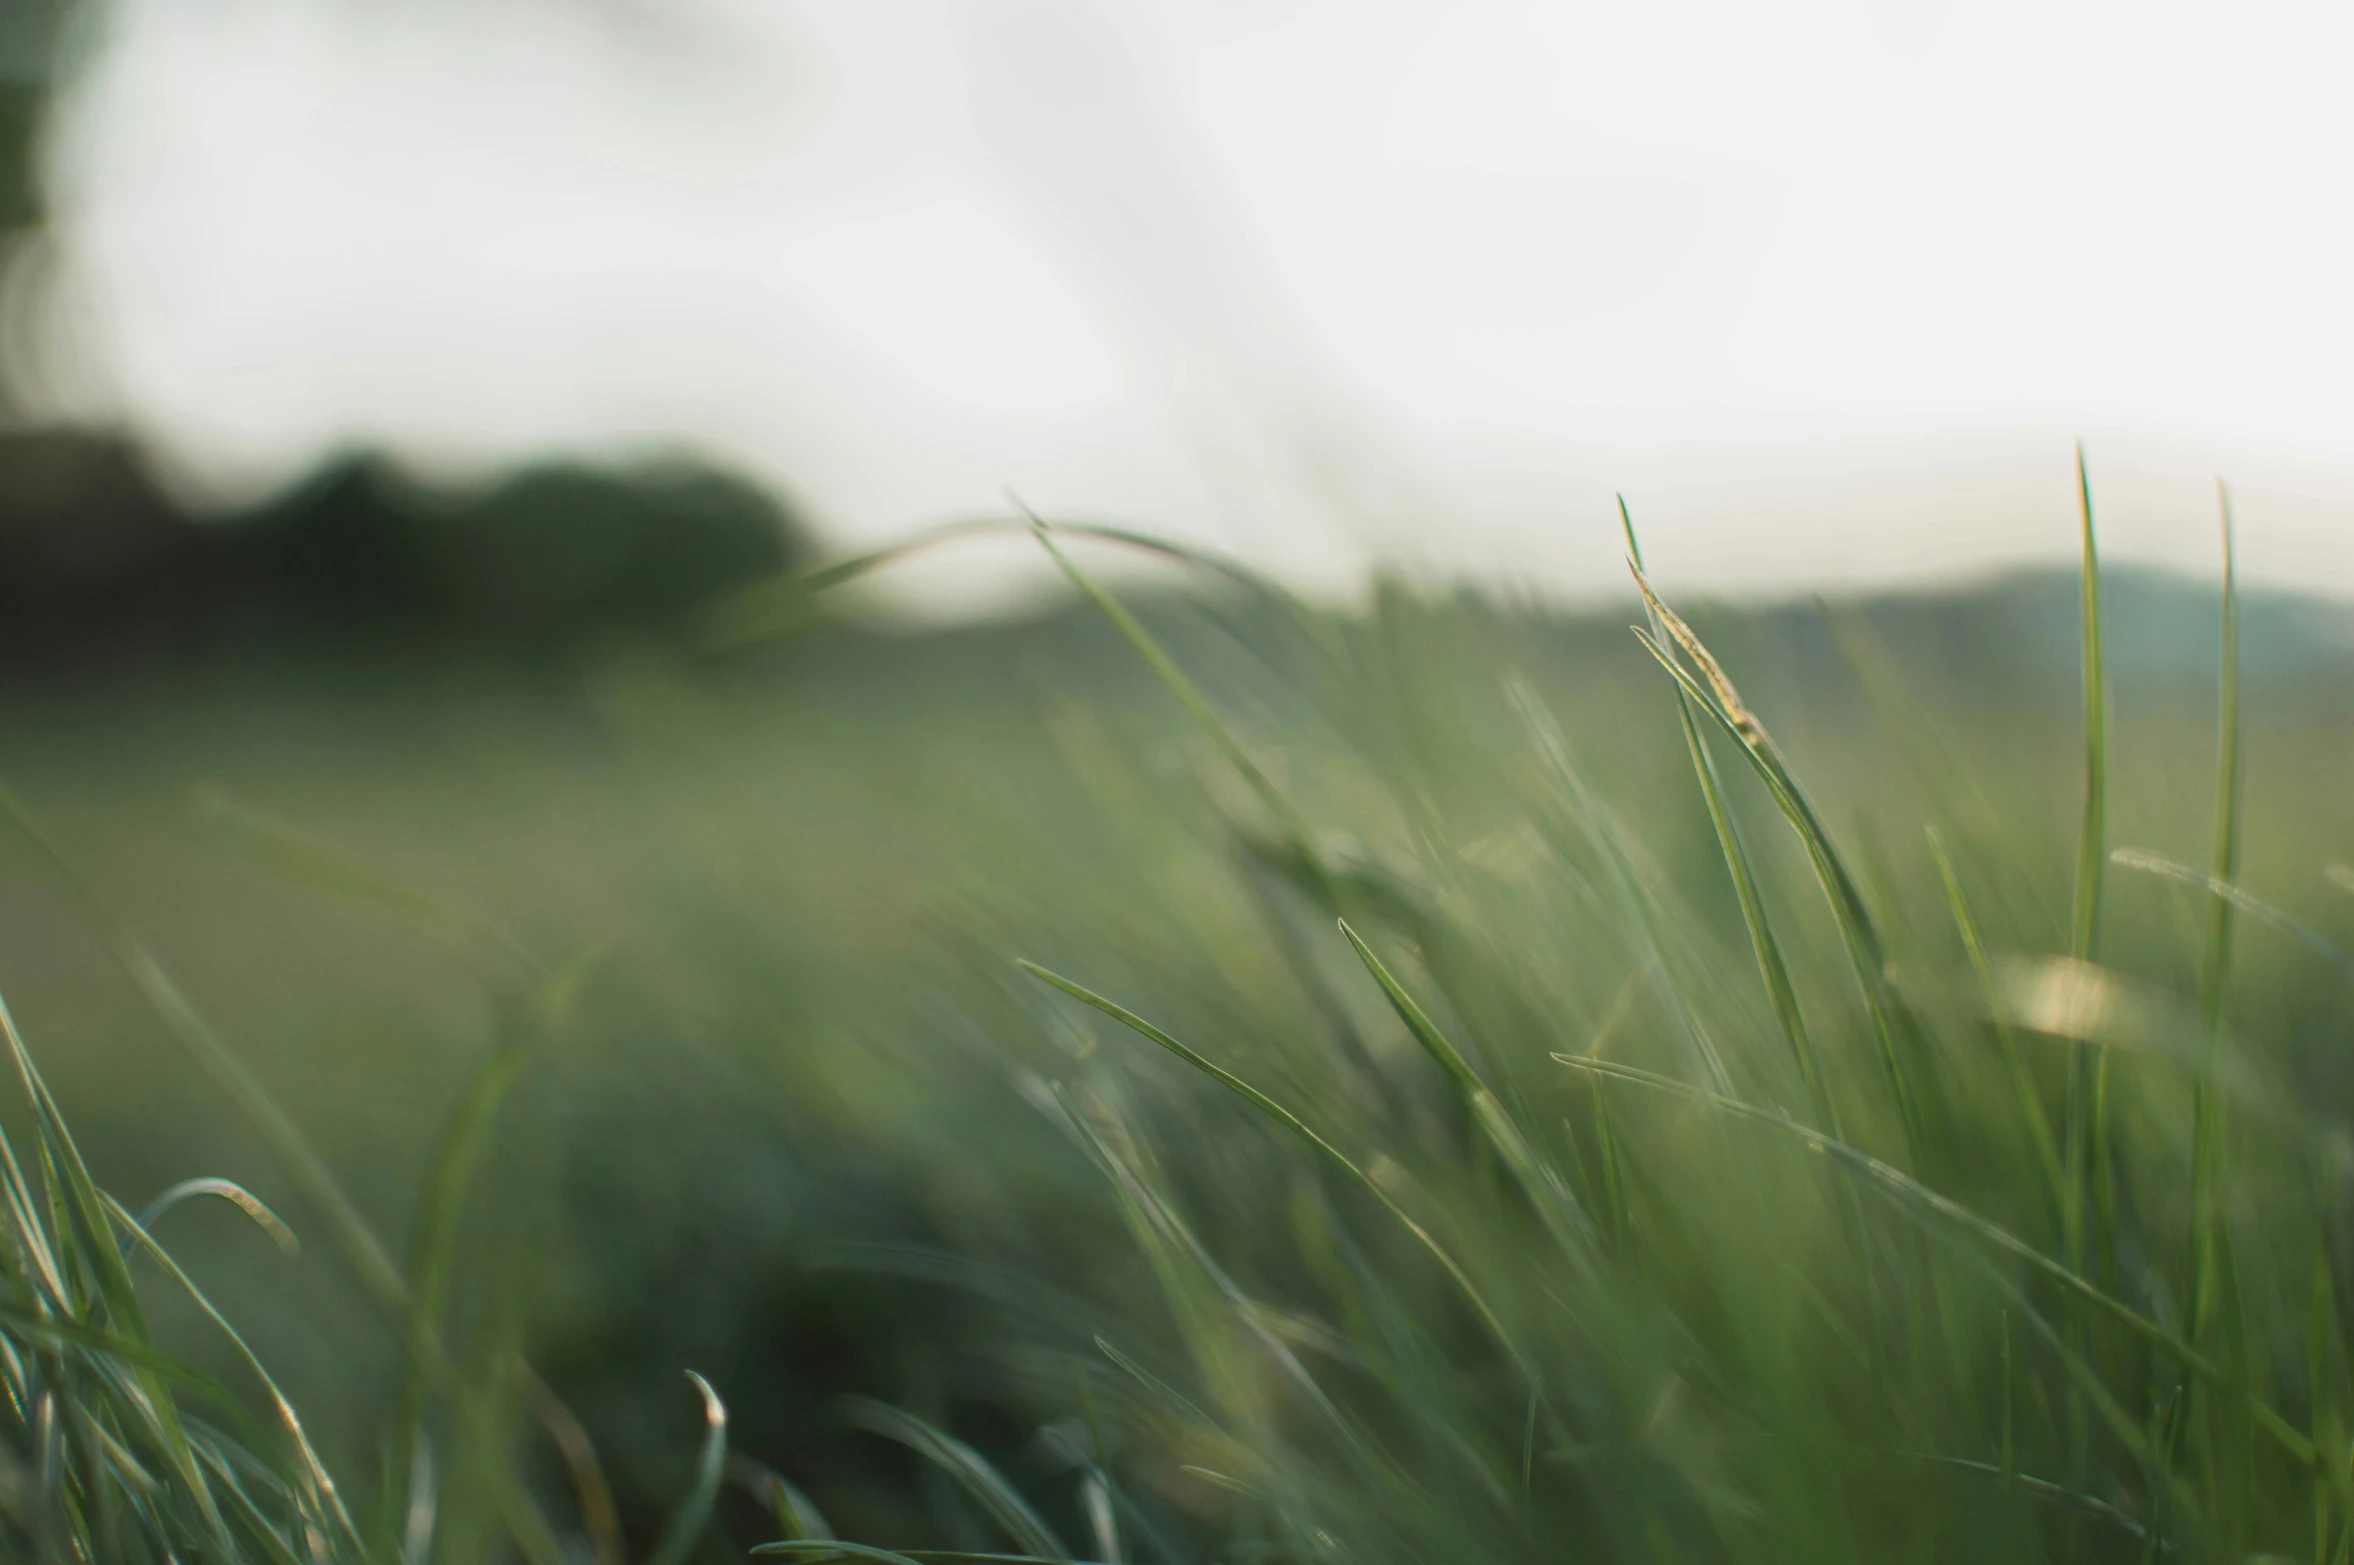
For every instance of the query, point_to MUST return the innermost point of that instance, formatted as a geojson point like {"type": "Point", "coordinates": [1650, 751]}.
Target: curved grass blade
{"type": "Point", "coordinates": [84, 1242]}
{"type": "Point", "coordinates": [225, 1190]}
{"type": "Point", "coordinates": [1867, 954]}
{"type": "Point", "coordinates": [326, 868]}
{"type": "Point", "coordinates": [2041, 1488]}
{"type": "Point", "coordinates": [1556, 1205]}
{"type": "Point", "coordinates": [1772, 969]}
{"type": "Point", "coordinates": [1911, 1195]}
{"type": "Point", "coordinates": [2091, 843]}
{"type": "Point", "coordinates": [984, 1483]}
{"type": "Point", "coordinates": [821, 1549]}
{"type": "Point", "coordinates": [764, 610]}
{"type": "Point", "coordinates": [2225, 893]}
{"type": "Point", "coordinates": [835, 1549]}
{"type": "Point", "coordinates": [1189, 696]}
{"type": "Point", "coordinates": [1555, 746]}
{"type": "Point", "coordinates": [1160, 1389]}
{"type": "Point", "coordinates": [1299, 1127]}
{"type": "Point", "coordinates": [693, 1515]}
{"type": "Point", "coordinates": [793, 1510]}
{"type": "Point", "coordinates": [323, 1493]}
{"type": "Point", "coordinates": [1167, 1237]}
{"type": "Point", "coordinates": [2224, 860]}
{"type": "Point", "coordinates": [2039, 1129]}
{"type": "Point", "coordinates": [2223, 899]}
{"type": "Point", "coordinates": [433, 1254]}
{"type": "Point", "coordinates": [252, 1100]}
{"type": "Point", "coordinates": [365, 1253]}
{"type": "Point", "coordinates": [590, 1490]}
{"type": "Point", "coordinates": [1631, 881]}
{"type": "Point", "coordinates": [2086, 1140]}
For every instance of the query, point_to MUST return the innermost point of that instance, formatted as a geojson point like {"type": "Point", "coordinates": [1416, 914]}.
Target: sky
{"type": "Point", "coordinates": [1828, 289]}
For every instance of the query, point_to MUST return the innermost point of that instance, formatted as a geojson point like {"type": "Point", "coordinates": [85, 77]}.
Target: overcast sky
{"type": "Point", "coordinates": [1828, 288]}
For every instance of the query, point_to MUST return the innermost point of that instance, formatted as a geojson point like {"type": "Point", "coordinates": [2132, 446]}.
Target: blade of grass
{"type": "Point", "coordinates": [2087, 1138]}
{"type": "Point", "coordinates": [1169, 1239]}
{"type": "Point", "coordinates": [1189, 696]}
{"type": "Point", "coordinates": [433, 1251]}
{"type": "Point", "coordinates": [236, 1195]}
{"type": "Point", "coordinates": [2091, 842]}
{"type": "Point", "coordinates": [328, 869]}
{"type": "Point", "coordinates": [1911, 1195]}
{"type": "Point", "coordinates": [1724, 822]}
{"type": "Point", "coordinates": [781, 1498]}
{"type": "Point", "coordinates": [323, 1492]}
{"type": "Point", "coordinates": [289, 1148]}
{"type": "Point", "coordinates": [1633, 883]}
{"type": "Point", "coordinates": [83, 1232]}
{"type": "Point", "coordinates": [1556, 1205]}
{"type": "Point", "coordinates": [2215, 959]}
{"type": "Point", "coordinates": [2039, 1129]}
{"type": "Point", "coordinates": [2207, 1127]}
{"type": "Point", "coordinates": [688, 1523]}
{"type": "Point", "coordinates": [237, 1082]}
{"type": "Point", "coordinates": [767, 609]}
{"type": "Point", "coordinates": [1767, 950]}
{"type": "Point", "coordinates": [590, 1490]}
{"type": "Point", "coordinates": [1298, 1127]}
{"type": "Point", "coordinates": [1004, 1503]}
{"type": "Point", "coordinates": [833, 1549]}
{"type": "Point", "coordinates": [1867, 954]}
{"type": "Point", "coordinates": [2240, 901]}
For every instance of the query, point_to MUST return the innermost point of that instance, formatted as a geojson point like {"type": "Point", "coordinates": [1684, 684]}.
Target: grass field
{"type": "Point", "coordinates": [1238, 1083]}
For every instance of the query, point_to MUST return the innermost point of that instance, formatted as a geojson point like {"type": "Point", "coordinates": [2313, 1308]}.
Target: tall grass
{"type": "Point", "coordinates": [1409, 1143]}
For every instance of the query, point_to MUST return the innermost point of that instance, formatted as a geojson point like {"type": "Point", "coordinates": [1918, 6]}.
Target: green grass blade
{"type": "Point", "coordinates": [1634, 884]}
{"type": "Point", "coordinates": [592, 1494]}
{"type": "Point", "coordinates": [1189, 696]}
{"type": "Point", "coordinates": [84, 1241]}
{"type": "Point", "coordinates": [2091, 842]}
{"type": "Point", "coordinates": [1004, 1503]}
{"type": "Point", "coordinates": [781, 1498]}
{"type": "Point", "coordinates": [2240, 901]}
{"type": "Point", "coordinates": [327, 869]}
{"type": "Point", "coordinates": [1772, 969]}
{"type": "Point", "coordinates": [355, 1237]}
{"type": "Point", "coordinates": [433, 1252]}
{"type": "Point", "coordinates": [688, 1523]}
{"type": "Point", "coordinates": [765, 610]}
{"type": "Point", "coordinates": [1556, 1205]}
{"type": "Point", "coordinates": [1170, 1240]}
{"type": "Point", "coordinates": [2039, 1127]}
{"type": "Point", "coordinates": [323, 1492]}
{"type": "Point", "coordinates": [286, 1143]}
{"type": "Point", "coordinates": [235, 1195]}
{"type": "Point", "coordinates": [2215, 959]}
{"type": "Point", "coordinates": [817, 1549]}
{"type": "Point", "coordinates": [827, 1549]}
{"type": "Point", "coordinates": [1867, 954]}
{"type": "Point", "coordinates": [1911, 1195]}
{"type": "Point", "coordinates": [1298, 1127]}
{"type": "Point", "coordinates": [2088, 1077]}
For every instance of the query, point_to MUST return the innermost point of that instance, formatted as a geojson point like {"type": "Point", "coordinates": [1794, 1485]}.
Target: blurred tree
{"type": "Point", "coordinates": [30, 34]}
{"type": "Point", "coordinates": [96, 561]}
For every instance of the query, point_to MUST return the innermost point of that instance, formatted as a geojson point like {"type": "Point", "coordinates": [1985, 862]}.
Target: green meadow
{"type": "Point", "coordinates": [1188, 1076]}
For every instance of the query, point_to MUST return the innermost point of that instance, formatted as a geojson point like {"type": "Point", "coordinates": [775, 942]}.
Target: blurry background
{"type": "Point", "coordinates": [389, 387]}
{"type": "Point", "coordinates": [1319, 283]}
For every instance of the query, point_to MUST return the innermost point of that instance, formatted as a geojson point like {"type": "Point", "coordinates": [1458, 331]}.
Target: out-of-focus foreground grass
{"type": "Point", "coordinates": [666, 1011]}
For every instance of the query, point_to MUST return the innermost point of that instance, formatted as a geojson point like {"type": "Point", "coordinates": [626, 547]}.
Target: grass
{"type": "Point", "coordinates": [1205, 1080]}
